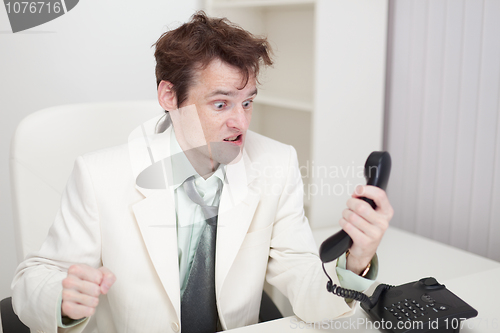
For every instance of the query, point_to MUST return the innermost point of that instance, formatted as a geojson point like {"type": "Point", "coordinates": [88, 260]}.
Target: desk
{"type": "Point", "coordinates": [406, 257]}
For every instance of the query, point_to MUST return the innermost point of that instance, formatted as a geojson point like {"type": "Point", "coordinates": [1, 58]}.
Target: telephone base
{"type": "Point", "coordinates": [420, 306]}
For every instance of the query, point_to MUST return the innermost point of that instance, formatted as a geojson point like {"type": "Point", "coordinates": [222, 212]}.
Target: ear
{"type": "Point", "coordinates": [166, 97]}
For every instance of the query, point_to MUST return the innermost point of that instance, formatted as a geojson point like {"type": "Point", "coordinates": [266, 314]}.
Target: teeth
{"type": "Point", "coordinates": [232, 139]}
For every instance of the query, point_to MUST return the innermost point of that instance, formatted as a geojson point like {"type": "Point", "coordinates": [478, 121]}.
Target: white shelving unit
{"type": "Point", "coordinates": [325, 93]}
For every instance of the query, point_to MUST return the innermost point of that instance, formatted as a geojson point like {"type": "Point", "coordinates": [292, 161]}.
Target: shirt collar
{"type": "Point", "coordinates": [182, 168]}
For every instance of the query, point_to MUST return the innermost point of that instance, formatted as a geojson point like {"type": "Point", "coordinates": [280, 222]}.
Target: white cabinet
{"type": "Point", "coordinates": [325, 93]}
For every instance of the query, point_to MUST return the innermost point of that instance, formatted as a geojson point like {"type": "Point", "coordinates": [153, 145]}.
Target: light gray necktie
{"type": "Point", "coordinates": [198, 305]}
{"type": "Point", "coordinates": [194, 196]}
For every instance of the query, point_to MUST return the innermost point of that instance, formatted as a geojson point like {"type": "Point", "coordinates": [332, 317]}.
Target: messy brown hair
{"type": "Point", "coordinates": [193, 45]}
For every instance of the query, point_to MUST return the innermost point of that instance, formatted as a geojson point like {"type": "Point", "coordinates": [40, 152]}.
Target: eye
{"type": "Point", "coordinates": [247, 104]}
{"type": "Point", "coordinates": [219, 105]}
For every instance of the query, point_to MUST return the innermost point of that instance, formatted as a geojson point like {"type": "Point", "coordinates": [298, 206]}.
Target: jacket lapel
{"type": "Point", "coordinates": [155, 214]}
{"type": "Point", "coordinates": [236, 210]}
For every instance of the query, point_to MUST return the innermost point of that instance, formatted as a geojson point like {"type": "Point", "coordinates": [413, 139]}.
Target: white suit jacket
{"type": "Point", "coordinates": [105, 219]}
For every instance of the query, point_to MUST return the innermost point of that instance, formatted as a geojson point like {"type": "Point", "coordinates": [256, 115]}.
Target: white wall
{"type": "Point", "coordinates": [99, 51]}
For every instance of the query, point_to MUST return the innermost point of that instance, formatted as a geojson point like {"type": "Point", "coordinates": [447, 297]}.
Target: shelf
{"type": "Point", "coordinates": [259, 3]}
{"type": "Point", "coordinates": [284, 103]}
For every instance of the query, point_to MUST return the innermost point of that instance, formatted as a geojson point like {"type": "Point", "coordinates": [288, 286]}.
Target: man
{"type": "Point", "coordinates": [134, 219]}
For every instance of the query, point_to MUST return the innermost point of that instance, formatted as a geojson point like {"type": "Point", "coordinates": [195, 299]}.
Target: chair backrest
{"type": "Point", "coordinates": [44, 148]}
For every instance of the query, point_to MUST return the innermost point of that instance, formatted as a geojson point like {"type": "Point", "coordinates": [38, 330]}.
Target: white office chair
{"type": "Point", "coordinates": [43, 150]}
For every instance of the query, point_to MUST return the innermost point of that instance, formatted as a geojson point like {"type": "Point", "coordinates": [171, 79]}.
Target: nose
{"type": "Point", "coordinates": [239, 118]}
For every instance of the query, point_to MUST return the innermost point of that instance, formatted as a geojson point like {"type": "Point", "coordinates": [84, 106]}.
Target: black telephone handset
{"type": "Point", "coordinates": [377, 171]}
{"type": "Point", "coordinates": [420, 306]}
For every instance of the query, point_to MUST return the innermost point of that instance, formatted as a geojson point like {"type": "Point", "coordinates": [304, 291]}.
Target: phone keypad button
{"type": "Point", "coordinates": [410, 309]}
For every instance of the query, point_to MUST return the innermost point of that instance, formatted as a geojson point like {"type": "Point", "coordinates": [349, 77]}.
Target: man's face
{"type": "Point", "coordinates": [217, 112]}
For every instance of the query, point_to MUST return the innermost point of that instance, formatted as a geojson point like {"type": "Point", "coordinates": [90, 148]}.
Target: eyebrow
{"type": "Point", "coordinates": [228, 93]}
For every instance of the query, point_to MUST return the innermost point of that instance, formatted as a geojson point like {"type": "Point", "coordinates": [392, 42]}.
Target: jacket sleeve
{"type": "Point", "coordinates": [294, 266]}
{"type": "Point", "coordinates": [73, 238]}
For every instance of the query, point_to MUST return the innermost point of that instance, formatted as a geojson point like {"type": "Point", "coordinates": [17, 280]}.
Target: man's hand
{"type": "Point", "coordinates": [365, 225]}
{"type": "Point", "coordinates": [81, 290]}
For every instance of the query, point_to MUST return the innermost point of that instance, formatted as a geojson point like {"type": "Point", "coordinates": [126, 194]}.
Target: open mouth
{"type": "Point", "coordinates": [234, 139]}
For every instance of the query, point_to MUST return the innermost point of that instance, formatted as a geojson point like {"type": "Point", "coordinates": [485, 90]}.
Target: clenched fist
{"type": "Point", "coordinates": [81, 290]}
